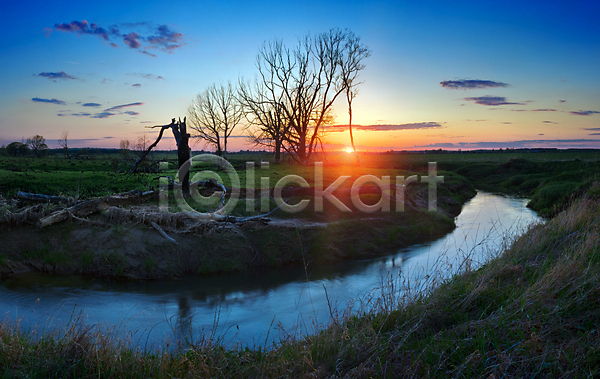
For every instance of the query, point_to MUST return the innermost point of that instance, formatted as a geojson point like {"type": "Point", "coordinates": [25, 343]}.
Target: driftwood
{"type": "Point", "coordinates": [89, 207]}
{"type": "Point", "coordinates": [162, 232]}
{"type": "Point", "coordinates": [43, 198]}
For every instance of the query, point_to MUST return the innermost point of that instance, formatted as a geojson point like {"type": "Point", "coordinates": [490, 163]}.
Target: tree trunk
{"type": "Point", "coordinates": [183, 156]}
{"type": "Point", "coordinates": [277, 151]}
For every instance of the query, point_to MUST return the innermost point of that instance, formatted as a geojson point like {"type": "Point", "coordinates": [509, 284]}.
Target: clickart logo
{"type": "Point", "coordinates": [388, 194]}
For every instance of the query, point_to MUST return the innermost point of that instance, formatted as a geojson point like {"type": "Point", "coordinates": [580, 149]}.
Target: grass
{"type": "Point", "coordinates": [532, 311]}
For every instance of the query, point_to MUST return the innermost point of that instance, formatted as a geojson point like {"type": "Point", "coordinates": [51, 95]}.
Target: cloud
{"type": "Point", "coordinates": [166, 39]}
{"type": "Point", "coordinates": [592, 129]}
{"type": "Point", "coordinates": [522, 144]}
{"type": "Point", "coordinates": [112, 111]}
{"type": "Point", "coordinates": [147, 53]}
{"type": "Point", "coordinates": [48, 101]}
{"type": "Point", "coordinates": [593, 134]}
{"type": "Point", "coordinates": [490, 100]}
{"type": "Point", "coordinates": [136, 85]}
{"type": "Point", "coordinates": [117, 107]}
{"type": "Point", "coordinates": [148, 76]}
{"type": "Point", "coordinates": [549, 122]}
{"type": "Point", "coordinates": [80, 114]}
{"type": "Point", "coordinates": [131, 40]}
{"type": "Point", "coordinates": [103, 115]}
{"type": "Point", "coordinates": [544, 110]}
{"type": "Point", "coordinates": [471, 84]}
{"type": "Point", "coordinates": [583, 113]}
{"type": "Point", "coordinates": [161, 37]}
{"type": "Point", "coordinates": [56, 75]}
{"type": "Point", "coordinates": [387, 127]}
{"type": "Point", "coordinates": [83, 27]}
{"type": "Point", "coordinates": [562, 101]}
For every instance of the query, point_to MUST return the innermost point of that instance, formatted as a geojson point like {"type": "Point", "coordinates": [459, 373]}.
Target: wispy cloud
{"type": "Point", "coordinates": [92, 105]}
{"type": "Point", "coordinates": [132, 113]}
{"type": "Point", "coordinates": [522, 144]}
{"type": "Point", "coordinates": [549, 122]}
{"type": "Point", "coordinates": [136, 85]}
{"type": "Point", "coordinates": [48, 101]}
{"type": "Point", "coordinates": [103, 115]}
{"type": "Point", "coordinates": [144, 36]}
{"type": "Point", "coordinates": [584, 113]}
{"type": "Point", "coordinates": [117, 107]}
{"type": "Point", "coordinates": [387, 127]}
{"type": "Point", "coordinates": [490, 100]}
{"type": "Point", "coordinates": [56, 75]}
{"type": "Point", "coordinates": [544, 110]}
{"type": "Point", "coordinates": [592, 129]}
{"type": "Point", "coordinates": [471, 84]}
{"type": "Point", "coordinates": [148, 76]}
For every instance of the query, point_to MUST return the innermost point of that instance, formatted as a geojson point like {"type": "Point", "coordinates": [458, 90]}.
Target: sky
{"type": "Point", "coordinates": [452, 75]}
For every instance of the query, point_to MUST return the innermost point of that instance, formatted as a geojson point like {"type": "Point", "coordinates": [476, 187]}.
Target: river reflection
{"type": "Point", "coordinates": [253, 308]}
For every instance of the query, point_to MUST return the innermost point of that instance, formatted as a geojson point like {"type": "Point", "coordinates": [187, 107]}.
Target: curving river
{"type": "Point", "coordinates": [252, 309]}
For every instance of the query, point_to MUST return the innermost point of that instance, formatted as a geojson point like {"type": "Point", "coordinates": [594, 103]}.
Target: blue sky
{"type": "Point", "coordinates": [103, 71]}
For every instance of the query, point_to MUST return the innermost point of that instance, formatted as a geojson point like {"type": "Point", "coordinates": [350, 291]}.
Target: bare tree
{"type": "Point", "coordinates": [37, 144]}
{"type": "Point", "coordinates": [64, 143]}
{"type": "Point", "coordinates": [305, 82]}
{"type": "Point", "coordinates": [268, 126]}
{"type": "Point", "coordinates": [214, 114]}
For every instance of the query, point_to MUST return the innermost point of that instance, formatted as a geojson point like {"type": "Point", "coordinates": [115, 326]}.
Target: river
{"type": "Point", "coordinates": [257, 309]}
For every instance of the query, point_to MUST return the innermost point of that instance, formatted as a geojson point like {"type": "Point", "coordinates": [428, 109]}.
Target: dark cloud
{"type": "Point", "coordinates": [562, 101]}
{"type": "Point", "coordinates": [584, 113]}
{"type": "Point", "coordinates": [132, 113]}
{"type": "Point", "coordinates": [117, 107]}
{"type": "Point", "coordinates": [388, 127]}
{"type": "Point", "coordinates": [166, 39]}
{"type": "Point", "coordinates": [56, 75]}
{"type": "Point", "coordinates": [49, 101]}
{"type": "Point", "coordinates": [92, 105]}
{"type": "Point", "coordinates": [549, 122]}
{"type": "Point", "coordinates": [490, 100]}
{"type": "Point", "coordinates": [592, 129]}
{"type": "Point", "coordinates": [593, 134]}
{"type": "Point", "coordinates": [471, 84]}
{"type": "Point", "coordinates": [136, 85]}
{"type": "Point", "coordinates": [132, 40]}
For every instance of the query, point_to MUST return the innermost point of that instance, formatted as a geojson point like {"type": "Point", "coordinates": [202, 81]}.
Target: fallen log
{"type": "Point", "coordinates": [43, 198]}
{"type": "Point", "coordinates": [89, 207]}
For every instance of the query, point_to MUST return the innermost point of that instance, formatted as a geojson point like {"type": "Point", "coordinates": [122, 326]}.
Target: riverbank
{"type": "Point", "coordinates": [125, 244]}
{"type": "Point", "coordinates": [532, 311]}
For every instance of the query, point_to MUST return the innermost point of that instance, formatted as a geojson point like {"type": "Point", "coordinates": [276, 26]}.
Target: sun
{"type": "Point", "coordinates": [349, 150]}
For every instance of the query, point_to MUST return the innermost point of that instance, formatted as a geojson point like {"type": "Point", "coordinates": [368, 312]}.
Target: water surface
{"type": "Point", "coordinates": [257, 308]}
